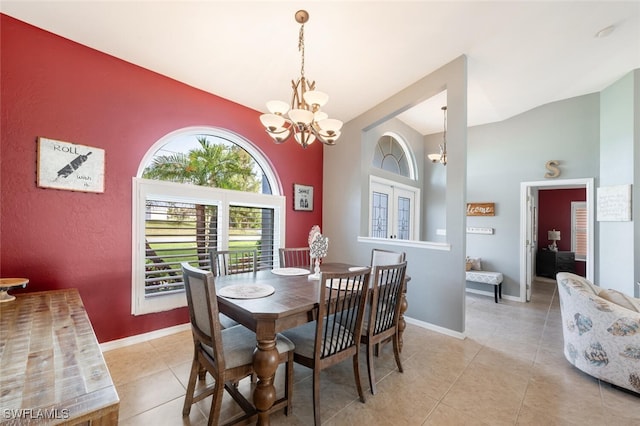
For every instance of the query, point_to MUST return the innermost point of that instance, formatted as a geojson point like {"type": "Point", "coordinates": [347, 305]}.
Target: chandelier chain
{"type": "Point", "coordinates": [301, 49]}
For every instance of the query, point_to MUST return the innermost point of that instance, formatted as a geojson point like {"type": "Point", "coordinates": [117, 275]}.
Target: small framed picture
{"type": "Point", "coordinates": [64, 165]}
{"type": "Point", "coordinates": [302, 197]}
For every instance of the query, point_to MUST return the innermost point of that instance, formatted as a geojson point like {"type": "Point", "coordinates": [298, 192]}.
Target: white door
{"type": "Point", "coordinates": [392, 211]}
{"type": "Point", "coordinates": [530, 241]}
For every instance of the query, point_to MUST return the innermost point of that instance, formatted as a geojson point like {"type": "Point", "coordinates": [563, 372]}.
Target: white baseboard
{"type": "Point", "coordinates": [139, 338]}
{"type": "Point", "coordinates": [436, 328]}
{"type": "Point", "coordinates": [492, 295]}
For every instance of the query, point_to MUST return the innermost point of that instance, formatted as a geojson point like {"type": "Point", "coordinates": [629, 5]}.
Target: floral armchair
{"type": "Point", "coordinates": [601, 330]}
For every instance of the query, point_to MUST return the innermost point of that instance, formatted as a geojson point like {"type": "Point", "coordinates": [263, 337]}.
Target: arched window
{"type": "Point", "coordinates": [393, 155]}
{"type": "Point", "coordinates": [393, 206]}
{"type": "Point", "coordinates": [196, 190]}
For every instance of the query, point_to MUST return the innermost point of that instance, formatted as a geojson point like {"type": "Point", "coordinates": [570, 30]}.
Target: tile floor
{"type": "Point", "coordinates": [509, 370]}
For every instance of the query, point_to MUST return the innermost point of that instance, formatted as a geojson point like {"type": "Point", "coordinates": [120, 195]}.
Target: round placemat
{"type": "Point", "coordinates": [246, 291]}
{"type": "Point", "coordinates": [290, 271]}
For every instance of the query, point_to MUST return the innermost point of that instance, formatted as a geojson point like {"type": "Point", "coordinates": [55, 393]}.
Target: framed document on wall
{"type": "Point", "coordinates": [302, 197]}
{"type": "Point", "coordinates": [64, 165]}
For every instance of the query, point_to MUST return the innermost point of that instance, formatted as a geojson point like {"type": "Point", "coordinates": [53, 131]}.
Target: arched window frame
{"type": "Point", "coordinates": [407, 152]}
{"type": "Point", "coordinates": [146, 189]}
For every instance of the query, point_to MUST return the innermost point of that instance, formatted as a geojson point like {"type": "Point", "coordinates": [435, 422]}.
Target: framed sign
{"type": "Point", "coordinates": [614, 203]}
{"type": "Point", "coordinates": [302, 197]}
{"type": "Point", "coordinates": [64, 165]}
{"type": "Point", "coordinates": [481, 209]}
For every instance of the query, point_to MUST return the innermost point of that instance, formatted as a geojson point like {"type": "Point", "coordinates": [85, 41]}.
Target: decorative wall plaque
{"type": "Point", "coordinates": [64, 165]}
{"type": "Point", "coordinates": [481, 209]}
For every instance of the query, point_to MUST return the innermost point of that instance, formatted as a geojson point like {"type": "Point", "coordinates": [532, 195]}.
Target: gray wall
{"type": "Point", "coordinates": [502, 155]}
{"type": "Point", "coordinates": [592, 136]}
{"type": "Point", "coordinates": [620, 164]}
{"type": "Point", "coordinates": [436, 291]}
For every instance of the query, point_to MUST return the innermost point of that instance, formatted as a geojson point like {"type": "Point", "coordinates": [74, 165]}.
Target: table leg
{"type": "Point", "coordinates": [401, 322]}
{"type": "Point", "coordinates": [265, 364]}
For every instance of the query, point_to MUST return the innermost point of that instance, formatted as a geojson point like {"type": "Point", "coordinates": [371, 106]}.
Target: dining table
{"type": "Point", "coordinates": [291, 302]}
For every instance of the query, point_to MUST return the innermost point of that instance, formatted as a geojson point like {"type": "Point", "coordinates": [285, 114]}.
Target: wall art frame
{"type": "Point", "coordinates": [70, 166]}
{"type": "Point", "coordinates": [302, 197]}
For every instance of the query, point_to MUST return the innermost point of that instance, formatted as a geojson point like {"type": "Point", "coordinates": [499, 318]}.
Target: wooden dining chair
{"type": "Point", "coordinates": [381, 321]}
{"type": "Point", "coordinates": [226, 354]}
{"type": "Point", "coordinates": [227, 262]}
{"type": "Point", "coordinates": [381, 257]}
{"type": "Point", "coordinates": [295, 257]}
{"type": "Point", "coordinates": [334, 337]}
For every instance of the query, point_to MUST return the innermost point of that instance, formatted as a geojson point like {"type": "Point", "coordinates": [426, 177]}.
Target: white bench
{"type": "Point", "coordinates": [487, 277]}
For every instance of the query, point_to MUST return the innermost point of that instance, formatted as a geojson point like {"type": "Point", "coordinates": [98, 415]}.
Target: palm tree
{"type": "Point", "coordinates": [212, 164]}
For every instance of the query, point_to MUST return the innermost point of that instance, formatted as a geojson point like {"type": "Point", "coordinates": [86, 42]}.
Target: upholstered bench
{"type": "Point", "coordinates": [487, 277]}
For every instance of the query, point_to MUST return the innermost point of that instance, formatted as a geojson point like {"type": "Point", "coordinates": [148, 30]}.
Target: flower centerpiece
{"type": "Point", "coordinates": [318, 247]}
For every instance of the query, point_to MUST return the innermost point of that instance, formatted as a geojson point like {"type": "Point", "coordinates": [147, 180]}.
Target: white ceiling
{"type": "Point", "coordinates": [520, 54]}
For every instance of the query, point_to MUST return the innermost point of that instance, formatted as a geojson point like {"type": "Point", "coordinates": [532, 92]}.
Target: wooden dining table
{"type": "Point", "coordinates": [292, 304]}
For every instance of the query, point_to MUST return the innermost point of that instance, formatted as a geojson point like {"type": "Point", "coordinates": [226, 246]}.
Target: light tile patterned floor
{"type": "Point", "coordinates": [509, 371]}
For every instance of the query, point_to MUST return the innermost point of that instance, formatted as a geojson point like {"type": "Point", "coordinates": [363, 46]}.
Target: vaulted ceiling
{"type": "Point", "coordinates": [520, 54]}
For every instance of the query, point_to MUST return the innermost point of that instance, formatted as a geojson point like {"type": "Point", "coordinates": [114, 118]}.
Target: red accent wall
{"type": "Point", "coordinates": [55, 88]}
{"type": "Point", "coordinates": [554, 212]}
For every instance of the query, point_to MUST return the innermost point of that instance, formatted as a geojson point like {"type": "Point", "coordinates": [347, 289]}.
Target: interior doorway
{"type": "Point", "coordinates": [528, 227]}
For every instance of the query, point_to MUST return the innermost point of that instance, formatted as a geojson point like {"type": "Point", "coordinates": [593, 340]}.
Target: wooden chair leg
{"type": "Point", "coordinates": [396, 351]}
{"type": "Point", "coordinates": [216, 403]}
{"type": "Point", "coordinates": [316, 397]}
{"type": "Point", "coordinates": [288, 386]}
{"type": "Point", "coordinates": [356, 373]}
{"type": "Point", "coordinates": [370, 372]}
{"type": "Point", "coordinates": [191, 387]}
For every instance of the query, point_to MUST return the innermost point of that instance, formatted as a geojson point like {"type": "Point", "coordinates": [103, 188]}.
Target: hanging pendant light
{"type": "Point", "coordinates": [441, 157]}
{"type": "Point", "coordinates": [303, 117]}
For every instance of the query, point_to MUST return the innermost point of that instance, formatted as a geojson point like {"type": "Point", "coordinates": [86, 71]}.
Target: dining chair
{"type": "Point", "coordinates": [380, 257]}
{"type": "Point", "coordinates": [226, 354]}
{"type": "Point", "coordinates": [334, 337]}
{"type": "Point", "coordinates": [227, 262]}
{"type": "Point", "coordinates": [291, 257]}
{"type": "Point", "coordinates": [383, 313]}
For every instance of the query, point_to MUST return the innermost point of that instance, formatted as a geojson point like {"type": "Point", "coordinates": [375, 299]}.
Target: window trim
{"type": "Point", "coordinates": [143, 188]}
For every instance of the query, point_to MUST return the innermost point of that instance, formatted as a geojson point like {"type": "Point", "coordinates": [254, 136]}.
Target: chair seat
{"type": "Point", "coordinates": [226, 322]}
{"type": "Point", "coordinates": [238, 343]}
{"type": "Point", "coordinates": [303, 338]}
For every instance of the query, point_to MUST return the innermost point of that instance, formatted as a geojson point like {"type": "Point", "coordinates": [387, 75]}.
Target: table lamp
{"type": "Point", "coordinates": [554, 236]}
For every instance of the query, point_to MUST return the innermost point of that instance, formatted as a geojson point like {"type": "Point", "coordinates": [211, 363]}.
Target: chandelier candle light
{"type": "Point", "coordinates": [442, 156]}
{"type": "Point", "coordinates": [302, 118]}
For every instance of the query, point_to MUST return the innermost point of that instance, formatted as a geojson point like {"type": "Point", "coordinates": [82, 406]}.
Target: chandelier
{"type": "Point", "coordinates": [442, 156]}
{"type": "Point", "coordinates": [302, 117]}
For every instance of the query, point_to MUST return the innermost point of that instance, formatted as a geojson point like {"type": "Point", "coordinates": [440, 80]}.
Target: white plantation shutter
{"type": "Point", "coordinates": [579, 229]}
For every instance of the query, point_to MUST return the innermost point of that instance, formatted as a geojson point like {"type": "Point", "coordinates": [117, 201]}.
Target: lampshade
{"type": "Point", "coordinates": [553, 235]}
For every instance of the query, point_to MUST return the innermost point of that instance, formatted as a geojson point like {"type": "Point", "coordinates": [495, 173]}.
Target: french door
{"type": "Point", "coordinates": [392, 210]}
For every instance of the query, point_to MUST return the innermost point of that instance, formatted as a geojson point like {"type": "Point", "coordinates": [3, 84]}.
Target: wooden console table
{"type": "Point", "coordinates": [51, 368]}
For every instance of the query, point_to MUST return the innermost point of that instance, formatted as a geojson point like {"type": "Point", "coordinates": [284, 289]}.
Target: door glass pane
{"type": "Point", "coordinates": [380, 209]}
{"type": "Point", "coordinates": [404, 218]}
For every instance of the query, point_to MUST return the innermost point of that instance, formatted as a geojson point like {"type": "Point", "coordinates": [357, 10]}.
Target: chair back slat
{"type": "Point", "coordinates": [340, 319]}
{"type": "Point", "coordinates": [386, 297]}
{"type": "Point", "coordinates": [295, 257]}
{"type": "Point", "coordinates": [203, 310]}
{"type": "Point", "coordinates": [228, 262]}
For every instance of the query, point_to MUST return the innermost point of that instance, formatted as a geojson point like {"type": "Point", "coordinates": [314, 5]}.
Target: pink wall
{"type": "Point", "coordinates": [554, 212]}
{"type": "Point", "coordinates": [55, 88]}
